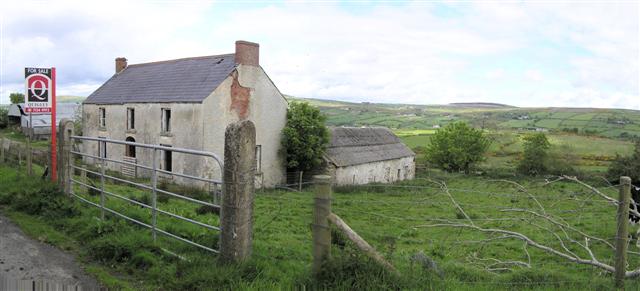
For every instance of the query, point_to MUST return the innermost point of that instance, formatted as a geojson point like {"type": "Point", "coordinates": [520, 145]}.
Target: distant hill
{"type": "Point", "coordinates": [480, 105]}
{"type": "Point", "coordinates": [70, 99]}
{"type": "Point", "coordinates": [612, 123]}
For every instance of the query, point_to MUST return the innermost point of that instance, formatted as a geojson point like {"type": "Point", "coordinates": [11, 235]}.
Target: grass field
{"type": "Point", "coordinates": [391, 218]}
{"type": "Point", "coordinates": [590, 153]}
{"type": "Point", "coordinates": [609, 123]}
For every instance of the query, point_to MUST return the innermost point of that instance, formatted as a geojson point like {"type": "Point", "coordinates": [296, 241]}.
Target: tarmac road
{"type": "Point", "coordinates": [27, 262]}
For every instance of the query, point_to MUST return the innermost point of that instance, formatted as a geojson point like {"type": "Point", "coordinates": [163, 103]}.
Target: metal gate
{"type": "Point", "coordinates": [102, 160]}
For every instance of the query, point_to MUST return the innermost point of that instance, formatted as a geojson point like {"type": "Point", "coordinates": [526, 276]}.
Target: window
{"type": "Point", "coordinates": [130, 150]}
{"type": "Point", "coordinates": [102, 113]}
{"type": "Point", "coordinates": [166, 120]}
{"type": "Point", "coordinates": [102, 148]}
{"type": "Point", "coordinates": [131, 119]}
{"type": "Point", "coordinates": [398, 174]}
{"type": "Point", "coordinates": [258, 158]}
{"type": "Point", "coordinates": [167, 159]}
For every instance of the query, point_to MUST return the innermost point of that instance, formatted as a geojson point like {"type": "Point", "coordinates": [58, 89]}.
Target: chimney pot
{"type": "Point", "coordinates": [247, 53]}
{"type": "Point", "coordinates": [121, 64]}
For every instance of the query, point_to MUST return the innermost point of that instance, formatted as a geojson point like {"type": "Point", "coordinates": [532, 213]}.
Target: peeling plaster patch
{"type": "Point", "coordinates": [240, 97]}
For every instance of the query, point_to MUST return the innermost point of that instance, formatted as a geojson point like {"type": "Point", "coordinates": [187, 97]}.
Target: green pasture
{"type": "Point", "coordinates": [395, 219]}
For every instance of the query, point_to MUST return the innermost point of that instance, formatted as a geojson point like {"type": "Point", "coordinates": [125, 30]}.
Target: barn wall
{"type": "Point", "coordinates": [377, 172]}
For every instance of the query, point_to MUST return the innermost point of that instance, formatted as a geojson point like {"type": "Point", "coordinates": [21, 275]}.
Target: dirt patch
{"type": "Point", "coordinates": [24, 259]}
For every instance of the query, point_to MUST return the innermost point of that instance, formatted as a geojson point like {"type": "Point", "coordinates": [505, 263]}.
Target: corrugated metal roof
{"type": "Point", "coordinates": [181, 80]}
{"type": "Point", "coordinates": [353, 146]}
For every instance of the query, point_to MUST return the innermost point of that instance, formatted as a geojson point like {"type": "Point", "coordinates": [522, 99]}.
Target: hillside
{"type": "Point", "coordinates": [611, 123]}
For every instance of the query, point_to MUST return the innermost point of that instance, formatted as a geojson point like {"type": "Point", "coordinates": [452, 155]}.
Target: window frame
{"type": "Point", "coordinates": [131, 118]}
{"type": "Point", "coordinates": [166, 163]}
{"type": "Point", "coordinates": [102, 117]}
{"type": "Point", "coordinates": [102, 148]}
{"type": "Point", "coordinates": [165, 120]}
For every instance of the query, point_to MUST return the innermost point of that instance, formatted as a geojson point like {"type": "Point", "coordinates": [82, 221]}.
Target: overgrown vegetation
{"type": "Point", "coordinates": [429, 259]}
{"type": "Point", "coordinates": [304, 137]}
{"type": "Point", "coordinates": [16, 98]}
{"type": "Point", "coordinates": [626, 165]}
{"type": "Point", "coordinates": [4, 117]}
{"type": "Point", "coordinates": [457, 147]}
{"type": "Point", "coordinates": [535, 157]}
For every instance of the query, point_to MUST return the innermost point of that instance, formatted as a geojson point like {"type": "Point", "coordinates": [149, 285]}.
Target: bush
{"type": "Point", "coordinates": [626, 166]}
{"type": "Point", "coordinates": [4, 117]}
{"type": "Point", "coordinates": [304, 137]}
{"type": "Point", "coordinates": [535, 157]}
{"type": "Point", "coordinates": [46, 201]}
{"type": "Point", "coordinates": [457, 147]}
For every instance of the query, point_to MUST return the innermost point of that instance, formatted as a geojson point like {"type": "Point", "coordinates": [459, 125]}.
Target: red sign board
{"type": "Point", "coordinates": [38, 87]}
{"type": "Point", "coordinates": [40, 97]}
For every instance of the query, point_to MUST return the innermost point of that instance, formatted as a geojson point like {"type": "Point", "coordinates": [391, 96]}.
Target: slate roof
{"type": "Point", "coordinates": [181, 80]}
{"type": "Point", "coordinates": [353, 146]}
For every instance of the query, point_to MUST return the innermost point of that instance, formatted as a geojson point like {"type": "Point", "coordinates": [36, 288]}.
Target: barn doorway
{"type": "Point", "coordinates": [130, 150]}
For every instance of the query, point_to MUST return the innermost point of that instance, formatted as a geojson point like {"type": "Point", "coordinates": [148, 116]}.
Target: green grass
{"type": "Point", "coordinates": [409, 117]}
{"type": "Point", "coordinates": [390, 218]}
{"type": "Point", "coordinates": [18, 136]}
{"type": "Point", "coordinates": [591, 154]}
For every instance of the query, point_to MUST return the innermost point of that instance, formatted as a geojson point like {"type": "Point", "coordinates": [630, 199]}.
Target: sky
{"type": "Point", "coordinates": [525, 53]}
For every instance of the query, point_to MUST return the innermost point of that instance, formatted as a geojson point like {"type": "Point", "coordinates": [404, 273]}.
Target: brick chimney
{"type": "Point", "coordinates": [247, 53]}
{"type": "Point", "coordinates": [121, 63]}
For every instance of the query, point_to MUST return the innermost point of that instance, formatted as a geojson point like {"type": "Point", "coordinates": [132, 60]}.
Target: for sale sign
{"type": "Point", "coordinates": [39, 86]}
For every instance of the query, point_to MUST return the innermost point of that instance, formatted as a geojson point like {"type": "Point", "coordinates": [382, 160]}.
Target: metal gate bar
{"type": "Point", "coordinates": [153, 188]}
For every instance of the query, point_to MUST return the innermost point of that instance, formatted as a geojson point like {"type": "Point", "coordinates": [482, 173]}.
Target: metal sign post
{"type": "Point", "coordinates": [54, 149]}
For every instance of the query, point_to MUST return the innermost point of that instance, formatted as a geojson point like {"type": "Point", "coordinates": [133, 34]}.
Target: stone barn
{"type": "Point", "coordinates": [188, 103]}
{"type": "Point", "coordinates": [358, 156]}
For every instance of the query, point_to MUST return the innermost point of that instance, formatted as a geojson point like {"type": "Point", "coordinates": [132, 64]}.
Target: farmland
{"type": "Point", "coordinates": [394, 219]}
{"type": "Point", "coordinates": [409, 222]}
{"type": "Point", "coordinates": [610, 123]}
{"type": "Point", "coordinates": [586, 138]}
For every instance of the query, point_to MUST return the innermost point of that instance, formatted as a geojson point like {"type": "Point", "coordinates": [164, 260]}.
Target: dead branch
{"type": "Point", "coordinates": [522, 189]}
{"type": "Point", "coordinates": [611, 200]}
{"type": "Point", "coordinates": [495, 265]}
{"type": "Point", "coordinates": [445, 189]}
{"type": "Point", "coordinates": [561, 225]}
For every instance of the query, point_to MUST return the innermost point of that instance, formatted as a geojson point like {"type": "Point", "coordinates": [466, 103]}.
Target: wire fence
{"type": "Point", "coordinates": [555, 212]}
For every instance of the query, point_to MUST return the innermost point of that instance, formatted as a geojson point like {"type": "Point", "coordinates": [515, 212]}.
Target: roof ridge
{"type": "Point", "coordinates": [180, 59]}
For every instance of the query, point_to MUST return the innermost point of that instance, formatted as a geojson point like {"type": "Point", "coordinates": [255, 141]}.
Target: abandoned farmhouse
{"type": "Point", "coordinates": [188, 103]}
{"type": "Point", "coordinates": [368, 155]}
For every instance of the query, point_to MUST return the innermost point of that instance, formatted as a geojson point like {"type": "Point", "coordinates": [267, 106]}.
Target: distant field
{"type": "Point", "coordinates": [610, 123]}
{"type": "Point", "coordinates": [592, 153]}
{"type": "Point", "coordinates": [592, 136]}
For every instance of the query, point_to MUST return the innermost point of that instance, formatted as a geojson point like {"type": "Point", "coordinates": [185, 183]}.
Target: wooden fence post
{"type": "Point", "coordinates": [320, 227]}
{"type": "Point", "coordinates": [300, 182]}
{"type": "Point", "coordinates": [622, 235]}
{"type": "Point", "coordinates": [2, 154]}
{"type": "Point", "coordinates": [236, 215]}
{"type": "Point", "coordinates": [29, 157]}
{"type": "Point", "coordinates": [65, 131]}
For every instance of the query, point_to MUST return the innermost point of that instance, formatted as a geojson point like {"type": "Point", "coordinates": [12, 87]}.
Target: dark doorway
{"type": "Point", "coordinates": [130, 150]}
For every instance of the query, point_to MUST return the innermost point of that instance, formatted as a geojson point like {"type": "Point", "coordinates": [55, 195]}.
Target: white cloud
{"type": "Point", "coordinates": [383, 53]}
{"type": "Point", "coordinates": [533, 75]}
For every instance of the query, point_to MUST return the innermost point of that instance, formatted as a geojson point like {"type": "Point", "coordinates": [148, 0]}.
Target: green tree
{"type": "Point", "coordinates": [626, 166]}
{"type": "Point", "coordinates": [457, 147]}
{"type": "Point", "coordinates": [16, 98]}
{"type": "Point", "coordinates": [535, 156]}
{"type": "Point", "coordinates": [304, 137]}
